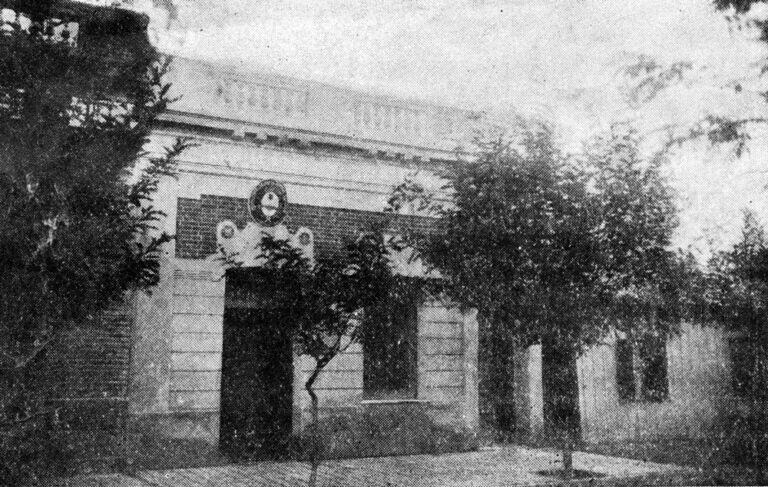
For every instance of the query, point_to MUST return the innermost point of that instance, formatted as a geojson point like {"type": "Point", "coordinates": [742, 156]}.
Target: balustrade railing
{"type": "Point", "coordinates": [279, 101]}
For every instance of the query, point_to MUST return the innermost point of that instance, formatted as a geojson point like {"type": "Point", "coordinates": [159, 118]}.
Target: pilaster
{"type": "Point", "coordinates": [528, 391]}
{"type": "Point", "coordinates": [149, 388]}
{"type": "Point", "coordinates": [471, 407]}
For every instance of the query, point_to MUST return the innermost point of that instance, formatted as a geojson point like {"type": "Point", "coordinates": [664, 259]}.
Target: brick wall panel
{"type": "Point", "coordinates": [333, 227]}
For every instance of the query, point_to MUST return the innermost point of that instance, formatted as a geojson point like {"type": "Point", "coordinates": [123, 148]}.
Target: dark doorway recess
{"type": "Point", "coordinates": [496, 367]}
{"type": "Point", "coordinates": [561, 391]}
{"type": "Point", "coordinates": [257, 372]}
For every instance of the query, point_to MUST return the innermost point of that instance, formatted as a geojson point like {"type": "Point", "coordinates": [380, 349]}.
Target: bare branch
{"type": "Point", "coordinates": [20, 362]}
{"type": "Point", "coordinates": [717, 129]}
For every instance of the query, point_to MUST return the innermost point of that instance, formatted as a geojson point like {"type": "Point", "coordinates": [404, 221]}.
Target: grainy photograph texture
{"type": "Point", "coordinates": [401, 243]}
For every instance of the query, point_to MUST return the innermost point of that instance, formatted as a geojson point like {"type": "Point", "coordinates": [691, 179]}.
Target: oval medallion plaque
{"type": "Point", "coordinates": [267, 202]}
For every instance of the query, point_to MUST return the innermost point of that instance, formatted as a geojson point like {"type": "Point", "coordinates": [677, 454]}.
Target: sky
{"type": "Point", "coordinates": [565, 61]}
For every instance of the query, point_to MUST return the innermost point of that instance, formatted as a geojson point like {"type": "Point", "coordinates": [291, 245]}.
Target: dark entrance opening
{"type": "Point", "coordinates": [496, 387]}
{"type": "Point", "coordinates": [257, 370]}
{"type": "Point", "coordinates": [561, 391]}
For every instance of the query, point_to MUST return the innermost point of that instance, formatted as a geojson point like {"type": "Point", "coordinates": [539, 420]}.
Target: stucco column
{"type": "Point", "coordinates": [471, 402]}
{"type": "Point", "coordinates": [149, 379]}
{"type": "Point", "coordinates": [529, 391]}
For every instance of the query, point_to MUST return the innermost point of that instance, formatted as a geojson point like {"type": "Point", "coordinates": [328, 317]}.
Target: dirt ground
{"type": "Point", "coordinates": [492, 467]}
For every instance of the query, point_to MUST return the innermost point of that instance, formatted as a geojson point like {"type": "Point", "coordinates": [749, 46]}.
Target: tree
{"type": "Point", "coordinates": [738, 298]}
{"type": "Point", "coordinates": [549, 248]}
{"type": "Point", "coordinates": [636, 218]}
{"type": "Point", "coordinates": [733, 285]}
{"type": "Point", "coordinates": [333, 303]}
{"type": "Point", "coordinates": [740, 7]}
{"type": "Point", "coordinates": [649, 78]}
{"type": "Point", "coordinates": [80, 90]}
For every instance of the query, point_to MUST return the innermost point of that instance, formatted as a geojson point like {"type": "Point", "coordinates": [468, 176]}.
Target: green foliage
{"type": "Point", "coordinates": [73, 203]}
{"type": "Point", "coordinates": [649, 78]}
{"type": "Point", "coordinates": [559, 251]}
{"type": "Point", "coordinates": [743, 437]}
{"type": "Point", "coordinates": [738, 296]}
{"type": "Point", "coordinates": [551, 247]}
{"type": "Point", "coordinates": [651, 288]}
{"type": "Point", "coordinates": [34, 453]}
{"type": "Point", "coordinates": [739, 277]}
{"type": "Point", "coordinates": [741, 7]}
{"type": "Point", "coordinates": [734, 131]}
{"type": "Point", "coordinates": [77, 225]}
{"type": "Point", "coordinates": [339, 299]}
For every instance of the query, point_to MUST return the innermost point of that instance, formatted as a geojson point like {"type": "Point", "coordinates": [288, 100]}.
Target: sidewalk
{"type": "Point", "coordinates": [511, 465]}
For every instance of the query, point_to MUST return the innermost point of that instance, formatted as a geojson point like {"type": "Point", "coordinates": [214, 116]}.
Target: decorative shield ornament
{"type": "Point", "coordinates": [267, 203]}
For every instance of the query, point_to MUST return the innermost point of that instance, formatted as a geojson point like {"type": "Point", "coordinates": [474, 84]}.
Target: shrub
{"type": "Point", "coordinates": [34, 452]}
{"type": "Point", "coordinates": [402, 430]}
{"type": "Point", "coordinates": [743, 437]}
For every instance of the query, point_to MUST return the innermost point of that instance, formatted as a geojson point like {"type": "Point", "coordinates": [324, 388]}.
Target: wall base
{"type": "Point", "coordinates": [174, 440]}
{"type": "Point", "coordinates": [389, 429]}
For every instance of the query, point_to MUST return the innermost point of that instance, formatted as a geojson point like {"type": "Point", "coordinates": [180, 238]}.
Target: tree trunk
{"type": "Point", "coordinates": [759, 403]}
{"type": "Point", "coordinates": [314, 453]}
{"type": "Point", "coordinates": [561, 400]}
{"type": "Point", "coordinates": [568, 456]}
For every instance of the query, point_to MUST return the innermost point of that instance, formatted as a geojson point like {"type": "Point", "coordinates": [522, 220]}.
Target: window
{"type": "Point", "coordinates": [653, 357]}
{"type": "Point", "coordinates": [389, 356]}
{"type": "Point", "coordinates": [641, 370]}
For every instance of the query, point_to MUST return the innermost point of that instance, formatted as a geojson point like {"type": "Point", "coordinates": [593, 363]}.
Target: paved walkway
{"type": "Point", "coordinates": [512, 465]}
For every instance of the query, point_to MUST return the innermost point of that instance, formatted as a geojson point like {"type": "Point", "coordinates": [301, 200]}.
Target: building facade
{"type": "Point", "coordinates": [204, 342]}
{"type": "Point", "coordinates": [685, 388]}
{"type": "Point", "coordinates": [201, 359]}
{"type": "Point", "coordinates": [337, 153]}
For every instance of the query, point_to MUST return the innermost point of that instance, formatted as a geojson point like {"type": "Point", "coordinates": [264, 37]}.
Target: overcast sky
{"type": "Point", "coordinates": [563, 60]}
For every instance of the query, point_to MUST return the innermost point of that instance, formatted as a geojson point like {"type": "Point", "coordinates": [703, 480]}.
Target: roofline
{"type": "Point", "coordinates": [80, 9]}
{"type": "Point", "coordinates": [230, 128]}
{"type": "Point", "coordinates": [224, 67]}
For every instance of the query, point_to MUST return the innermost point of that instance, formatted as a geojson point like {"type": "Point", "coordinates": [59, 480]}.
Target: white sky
{"type": "Point", "coordinates": [562, 60]}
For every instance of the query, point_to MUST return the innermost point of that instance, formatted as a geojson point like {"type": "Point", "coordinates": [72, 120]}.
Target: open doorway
{"type": "Point", "coordinates": [497, 384]}
{"type": "Point", "coordinates": [257, 371]}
